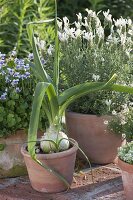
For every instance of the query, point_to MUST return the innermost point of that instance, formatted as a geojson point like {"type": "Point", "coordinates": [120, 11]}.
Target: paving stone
{"type": "Point", "coordinates": [107, 186]}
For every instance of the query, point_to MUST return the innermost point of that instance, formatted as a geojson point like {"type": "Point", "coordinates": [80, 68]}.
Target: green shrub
{"type": "Point", "coordinates": [16, 94]}
{"type": "Point", "coordinates": [122, 121]}
{"type": "Point", "coordinates": [14, 16]}
{"type": "Point", "coordinates": [125, 153]}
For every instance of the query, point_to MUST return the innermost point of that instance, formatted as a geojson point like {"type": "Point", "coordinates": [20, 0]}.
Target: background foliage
{"type": "Point", "coordinates": [117, 7]}
{"type": "Point", "coordinates": [14, 16]}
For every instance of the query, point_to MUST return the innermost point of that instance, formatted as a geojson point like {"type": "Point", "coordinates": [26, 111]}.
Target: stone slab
{"type": "Point", "coordinates": [107, 186]}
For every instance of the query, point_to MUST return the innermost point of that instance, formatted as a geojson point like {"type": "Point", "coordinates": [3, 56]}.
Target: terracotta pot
{"type": "Point", "coordinates": [127, 178]}
{"type": "Point", "coordinates": [11, 161]}
{"type": "Point", "coordinates": [93, 137]}
{"type": "Point", "coordinates": [44, 181]}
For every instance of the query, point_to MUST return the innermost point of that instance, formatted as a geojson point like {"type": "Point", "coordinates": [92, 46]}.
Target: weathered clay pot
{"type": "Point", "coordinates": [44, 181]}
{"type": "Point", "coordinates": [92, 135]}
{"type": "Point", "coordinates": [127, 178]}
{"type": "Point", "coordinates": [11, 161]}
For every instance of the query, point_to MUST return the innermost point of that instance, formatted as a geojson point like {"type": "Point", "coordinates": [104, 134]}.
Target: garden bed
{"type": "Point", "coordinates": [107, 185]}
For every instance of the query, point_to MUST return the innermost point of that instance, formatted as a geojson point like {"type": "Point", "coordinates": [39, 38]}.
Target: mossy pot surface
{"type": "Point", "coordinates": [11, 161]}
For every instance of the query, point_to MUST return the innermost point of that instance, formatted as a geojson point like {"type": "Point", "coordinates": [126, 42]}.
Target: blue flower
{"type": "Point", "coordinates": [10, 71]}
{"type": "Point", "coordinates": [22, 76]}
{"type": "Point", "coordinates": [7, 79]}
{"type": "Point", "coordinates": [2, 62]}
{"type": "Point", "coordinates": [18, 89]}
{"type": "Point", "coordinates": [2, 56]}
{"type": "Point", "coordinates": [3, 73]}
{"type": "Point", "coordinates": [27, 74]}
{"type": "Point", "coordinates": [17, 75]}
{"type": "Point", "coordinates": [30, 56]}
{"type": "Point", "coordinates": [43, 61]}
{"type": "Point", "coordinates": [26, 67]}
{"type": "Point", "coordinates": [19, 63]}
{"type": "Point", "coordinates": [14, 82]}
{"type": "Point", "coordinates": [3, 96]}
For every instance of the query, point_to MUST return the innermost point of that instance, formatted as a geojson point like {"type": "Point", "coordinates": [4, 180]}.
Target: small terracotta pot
{"type": "Point", "coordinates": [127, 178]}
{"type": "Point", "coordinates": [92, 135]}
{"type": "Point", "coordinates": [44, 181]}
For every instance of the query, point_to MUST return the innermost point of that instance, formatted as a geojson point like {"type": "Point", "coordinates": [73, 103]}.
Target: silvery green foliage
{"type": "Point", "coordinates": [93, 51]}
{"type": "Point", "coordinates": [125, 153]}
{"type": "Point", "coordinates": [122, 121]}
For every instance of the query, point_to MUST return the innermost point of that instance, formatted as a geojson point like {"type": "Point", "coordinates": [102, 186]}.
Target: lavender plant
{"type": "Point", "coordinates": [93, 51]}
{"type": "Point", "coordinates": [16, 93]}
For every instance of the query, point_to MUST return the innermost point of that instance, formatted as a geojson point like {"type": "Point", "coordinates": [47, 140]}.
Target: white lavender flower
{"type": "Point", "coordinates": [79, 16]}
{"type": "Point", "coordinates": [120, 22]}
{"type": "Point", "coordinates": [59, 23]}
{"type": "Point", "coordinates": [78, 25]}
{"type": "Point", "coordinates": [41, 44]}
{"type": "Point", "coordinates": [78, 33]}
{"type": "Point", "coordinates": [108, 17]}
{"type": "Point", "coordinates": [129, 22]}
{"type": "Point", "coordinates": [70, 32]}
{"type": "Point", "coordinates": [95, 77]}
{"type": "Point", "coordinates": [66, 21]}
{"type": "Point", "coordinates": [50, 50]}
{"type": "Point", "coordinates": [123, 39]}
{"type": "Point", "coordinates": [108, 102]}
{"type": "Point", "coordinates": [90, 13]}
{"type": "Point", "coordinates": [100, 32]}
{"type": "Point", "coordinates": [130, 31]}
{"type": "Point", "coordinates": [63, 36]}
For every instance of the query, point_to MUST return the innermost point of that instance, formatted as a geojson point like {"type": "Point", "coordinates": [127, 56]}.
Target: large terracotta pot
{"type": "Point", "coordinates": [127, 178]}
{"type": "Point", "coordinates": [11, 161]}
{"type": "Point", "coordinates": [92, 135]}
{"type": "Point", "coordinates": [44, 181]}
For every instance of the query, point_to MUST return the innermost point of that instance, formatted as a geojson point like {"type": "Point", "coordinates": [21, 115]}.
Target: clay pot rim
{"type": "Point", "coordinates": [68, 112]}
{"type": "Point", "coordinates": [65, 153]}
{"type": "Point", "coordinates": [125, 166]}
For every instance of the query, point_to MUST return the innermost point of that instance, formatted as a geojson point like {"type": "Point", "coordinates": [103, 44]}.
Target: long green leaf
{"type": "Point", "coordinates": [41, 89]}
{"type": "Point", "coordinates": [42, 21]}
{"type": "Point", "coordinates": [121, 88]}
{"type": "Point", "coordinates": [90, 87]}
{"type": "Point", "coordinates": [34, 69]}
{"type": "Point", "coordinates": [70, 95]}
{"type": "Point", "coordinates": [83, 89]}
{"type": "Point", "coordinates": [56, 57]}
{"type": "Point", "coordinates": [38, 65]}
